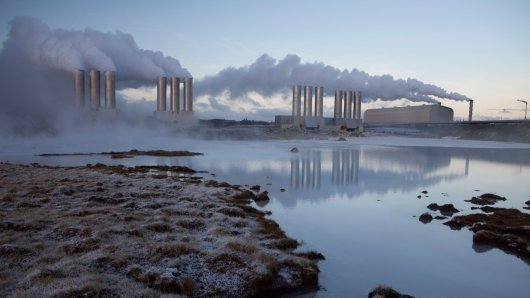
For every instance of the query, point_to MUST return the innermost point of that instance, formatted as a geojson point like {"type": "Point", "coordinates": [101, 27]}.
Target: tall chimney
{"type": "Point", "coordinates": [348, 104]}
{"type": "Point", "coordinates": [470, 110]}
{"type": "Point", "coordinates": [79, 87]}
{"type": "Point", "coordinates": [319, 101]}
{"type": "Point", "coordinates": [188, 94]}
{"type": "Point", "coordinates": [175, 95]}
{"type": "Point", "coordinates": [297, 100]}
{"type": "Point", "coordinates": [161, 92]}
{"type": "Point", "coordinates": [110, 90]}
{"type": "Point", "coordinates": [357, 104]}
{"type": "Point", "coordinates": [308, 98]}
{"type": "Point", "coordinates": [338, 104]}
{"type": "Point", "coordinates": [94, 89]}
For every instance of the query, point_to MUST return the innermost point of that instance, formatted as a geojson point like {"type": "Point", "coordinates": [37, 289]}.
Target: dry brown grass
{"type": "Point", "coordinates": [234, 212]}
{"type": "Point", "coordinates": [241, 247]}
{"type": "Point", "coordinates": [176, 249]}
{"type": "Point", "coordinates": [193, 224]}
{"type": "Point", "coordinates": [224, 262]}
{"type": "Point", "coordinates": [159, 227]}
{"type": "Point", "coordinates": [270, 262]}
{"type": "Point", "coordinates": [79, 247]}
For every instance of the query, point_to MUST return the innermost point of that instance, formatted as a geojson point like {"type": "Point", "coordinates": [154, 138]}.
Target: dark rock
{"type": "Point", "coordinates": [440, 217]}
{"type": "Point", "coordinates": [386, 292]}
{"type": "Point", "coordinates": [341, 139]}
{"type": "Point", "coordinates": [282, 189]}
{"type": "Point", "coordinates": [255, 188]}
{"type": "Point", "coordinates": [486, 199]}
{"type": "Point", "coordinates": [527, 203]}
{"type": "Point", "coordinates": [244, 195]}
{"type": "Point", "coordinates": [263, 196]}
{"type": "Point", "coordinates": [424, 192]}
{"type": "Point", "coordinates": [419, 196]}
{"type": "Point", "coordinates": [425, 218]}
{"type": "Point", "coordinates": [446, 209]}
{"type": "Point", "coordinates": [295, 150]}
{"type": "Point", "coordinates": [506, 229]}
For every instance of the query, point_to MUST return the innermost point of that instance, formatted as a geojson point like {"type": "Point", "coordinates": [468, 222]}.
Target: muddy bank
{"type": "Point", "coordinates": [130, 153]}
{"type": "Point", "coordinates": [144, 231]}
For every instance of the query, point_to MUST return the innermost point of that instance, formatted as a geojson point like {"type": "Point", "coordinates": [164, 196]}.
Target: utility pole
{"type": "Point", "coordinates": [525, 107]}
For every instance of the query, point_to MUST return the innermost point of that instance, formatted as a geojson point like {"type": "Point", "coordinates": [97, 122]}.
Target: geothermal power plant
{"type": "Point", "coordinates": [176, 110]}
{"type": "Point", "coordinates": [94, 87]}
{"type": "Point", "coordinates": [347, 109]}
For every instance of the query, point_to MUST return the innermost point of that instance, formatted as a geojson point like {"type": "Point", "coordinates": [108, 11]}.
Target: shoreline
{"type": "Point", "coordinates": [105, 230]}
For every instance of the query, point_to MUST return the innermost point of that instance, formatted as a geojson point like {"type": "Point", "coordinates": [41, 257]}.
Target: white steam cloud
{"type": "Point", "coordinates": [267, 76]}
{"type": "Point", "coordinates": [74, 49]}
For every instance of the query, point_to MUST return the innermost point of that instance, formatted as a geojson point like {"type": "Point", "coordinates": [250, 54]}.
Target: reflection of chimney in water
{"type": "Point", "coordinates": [345, 167]}
{"type": "Point", "coordinates": [295, 170]}
{"type": "Point", "coordinates": [467, 164]}
{"type": "Point", "coordinates": [335, 170]}
{"type": "Point", "coordinates": [354, 166]}
{"type": "Point", "coordinates": [317, 168]}
{"type": "Point", "coordinates": [306, 169]}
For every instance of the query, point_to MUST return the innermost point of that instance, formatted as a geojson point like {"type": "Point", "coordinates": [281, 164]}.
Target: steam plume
{"type": "Point", "coordinates": [73, 49]}
{"type": "Point", "coordinates": [268, 76]}
{"type": "Point", "coordinates": [36, 79]}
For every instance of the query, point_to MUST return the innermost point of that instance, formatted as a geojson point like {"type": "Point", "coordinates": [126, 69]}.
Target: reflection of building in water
{"type": "Point", "coordinates": [306, 172]}
{"type": "Point", "coordinates": [345, 167]}
{"type": "Point", "coordinates": [310, 171]}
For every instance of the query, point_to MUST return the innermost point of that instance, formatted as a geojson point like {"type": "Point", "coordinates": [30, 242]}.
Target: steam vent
{"type": "Point", "coordinates": [346, 112]}
{"type": "Point", "coordinates": [175, 110]}
{"type": "Point", "coordinates": [94, 87]}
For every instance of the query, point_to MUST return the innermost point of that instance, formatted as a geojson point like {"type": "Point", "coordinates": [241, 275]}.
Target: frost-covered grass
{"type": "Point", "coordinates": [104, 230]}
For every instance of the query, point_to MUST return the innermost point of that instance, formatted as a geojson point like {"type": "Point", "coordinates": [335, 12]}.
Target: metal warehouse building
{"type": "Point", "coordinates": [413, 114]}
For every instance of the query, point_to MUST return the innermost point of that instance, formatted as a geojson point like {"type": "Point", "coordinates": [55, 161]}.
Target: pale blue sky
{"type": "Point", "coordinates": [477, 48]}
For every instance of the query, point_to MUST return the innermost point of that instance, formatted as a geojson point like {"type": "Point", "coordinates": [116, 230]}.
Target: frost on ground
{"type": "Point", "coordinates": [145, 231]}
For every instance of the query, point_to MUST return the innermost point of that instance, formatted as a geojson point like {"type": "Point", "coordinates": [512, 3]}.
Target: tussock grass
{"type": "Point", "coordinates": [79, 247]}
{"type": "Point", "coordinates": [176, 249]}
{"type": "Point", "coordinates": [241, 247]}
{"type": "Point", "coordinates": [193, 224]}
{"type": "Point", "coordinates": [159, 227]}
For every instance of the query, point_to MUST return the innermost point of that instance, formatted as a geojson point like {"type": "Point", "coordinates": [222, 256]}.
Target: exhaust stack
{"type": "Point", "coordinates": [297, 100]}
{"type": "Point", "coordinates": [79, 87]}
{"type": "Point", "coordinates": [308, 99]}
{"type": "Point", "coordinates": [188, 94]}
{"type": "Point", "coordinates": [348, 104]}
{"type": "Point", "coordinates": [175, 95]}
{"type": "Point", "coordinates": [319, 101]}
{"type": "Point", "coordinates": [110, 90]}
{"type": "Point", "coordinates": [161, 92]}
{"type": "Point", "coordinates": [95, 89]}
{"type": "Point", "coordinates": [470, 110]}
{"type": "Point", "coordinates": [338, 104]}
{"type": "Point", "coordinates": [357, 104]}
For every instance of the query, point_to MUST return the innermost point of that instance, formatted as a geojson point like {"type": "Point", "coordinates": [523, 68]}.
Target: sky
{"type": "Point", "coordinates": [478, 48]}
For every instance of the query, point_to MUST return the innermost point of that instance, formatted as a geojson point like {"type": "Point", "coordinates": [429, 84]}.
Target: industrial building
{"type": "Point", "coordinates": [413, 114]}
{"type": "Point", "coordinates": [347, 110]}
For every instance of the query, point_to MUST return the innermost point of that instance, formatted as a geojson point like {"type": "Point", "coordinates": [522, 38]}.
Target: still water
{"type": "Point", "coordinates": [357, 203]}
